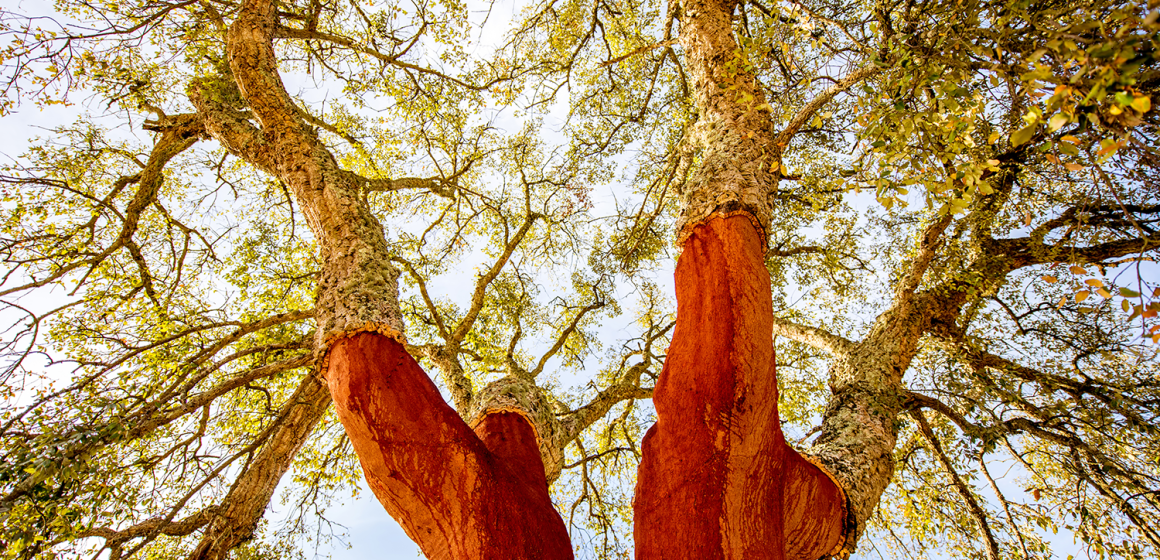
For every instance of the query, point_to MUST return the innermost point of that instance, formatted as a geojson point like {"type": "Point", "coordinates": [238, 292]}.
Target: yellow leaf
{"type": "Point", "coordinates": [1082, 295]}
{"type": "Point", "coordinates": [1073, 166]}
{"type": "Point", "coordinates": [1142, 103]}
{"type": "Point", "coordinates": [1107, 146]}
{"type": "Point", "coordinates": [1127, 307]}
{"type": "Point", "coordinates": [1104, 293]}
{"type": "Point", "coordinates": [1022, 135]}
{"type": "Point", "coordinates": [1094, 282]}
{"type": "Point", "coordinates": [1050, 279]}
{"type": "Point", "coordinates": [1077, 269]}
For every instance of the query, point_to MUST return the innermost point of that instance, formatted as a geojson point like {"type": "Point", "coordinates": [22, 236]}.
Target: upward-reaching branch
{"type": "Point", "coordinates": [486, 279]}
{"type": "Point", "coordinates": [178, 133]}
{"type": "Point", "coordinates": [807, 112]}
{"type": "Point", "coordinates": [964, 490]}
{"type": "Point", "coordinates": [236, 519]}
{"type": "Point", "coordinates": [564, 334]}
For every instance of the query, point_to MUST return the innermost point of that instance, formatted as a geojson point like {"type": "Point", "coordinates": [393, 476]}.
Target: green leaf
{"type": "Point", "coordinates": [1021, 136]}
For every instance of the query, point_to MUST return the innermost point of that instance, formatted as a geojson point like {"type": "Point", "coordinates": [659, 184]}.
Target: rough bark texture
{"type": "Point", "coordinates": [358, 289]}
{"type": "Point", "coordinates": [740, 166]}
{"type": "Point", "coordinates": [717, 479]}
{"type": "Point", "coordinates": [860, 424]}
{"type": "Point", "coordinates": [457, 493]}
{"type": "Point", "coordinates": [235, 523]}
{"type": "Point", "coordinates": [522, 397]}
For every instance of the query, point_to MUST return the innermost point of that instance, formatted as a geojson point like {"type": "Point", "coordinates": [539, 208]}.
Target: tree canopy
{"type": "Point", "coordinates": [960, 203]}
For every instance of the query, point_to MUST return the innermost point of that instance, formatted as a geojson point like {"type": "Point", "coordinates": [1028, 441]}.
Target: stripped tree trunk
{"type": "Point", "coordinates": [459, 493]}
{"type": "Point", "coordinates": [718, 479]}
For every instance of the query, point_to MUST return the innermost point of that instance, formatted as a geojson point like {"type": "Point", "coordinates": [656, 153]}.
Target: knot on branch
{"type": "Point", "coordinates": [445, 188]}
{"type": "Point", "coordinates": [523, 397]}
{"type": "Point", "coordinates": [183, 126]}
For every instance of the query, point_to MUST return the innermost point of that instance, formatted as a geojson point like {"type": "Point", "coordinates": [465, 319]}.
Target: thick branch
{"type": "Point", "coordinates": [1025, 251]}
{"type": "Point", "coordinates": [236, 519]}
{"type": "Point", "coordinates": [485, 280]}
{"type": "Point", "coordinates": [960, 485]}
{"type": "Point", "coordinates": [358, 288]}
{"type": "Point", "coordinates": [563, 337]}
{"type": "Point", "coordinates": [807, 112]}
{"type": "Point", "coordinates": [143, 425]}
{"type": "Point", "coordinates": [178, 133]}
{"type": "Point", "coordinates": [928, 245]}
{"type": "Point", "coordinates": [282, 32]}
{"type": "Point", "coordinates": [812, 336]}
{"type": "Point", "coordinates": [153, 526]}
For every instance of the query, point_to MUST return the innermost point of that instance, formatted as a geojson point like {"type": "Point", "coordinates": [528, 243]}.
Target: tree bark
{"type": "Point", "coordinates": [740, 166]}
{"type": "Point", "coordinates": [718, 479]}
{"type": "Point", "coordinates": [457, 493]}
{"type": "Point", "coordinates": [250, 494]}
{"type": "Point", "coordinates": [358, 289]}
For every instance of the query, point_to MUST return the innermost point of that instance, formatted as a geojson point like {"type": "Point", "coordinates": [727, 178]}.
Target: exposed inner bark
{"type": "Point", "coordinates": [516, 396]}
{"type": "Point", "coordinates": [457, 493]}
{"type": "Point", "coordinates": [718, 479]}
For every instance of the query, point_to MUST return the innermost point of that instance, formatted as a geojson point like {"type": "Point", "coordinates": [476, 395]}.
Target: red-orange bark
{"type": "Point", "coordinates": [460, 494]}
{"type": "Point", "coordinates": [717, 479]}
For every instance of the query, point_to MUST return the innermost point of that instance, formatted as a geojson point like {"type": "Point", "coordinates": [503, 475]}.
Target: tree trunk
{"type": "Point", "coordinates": [457, 493]}
{"type": "Point", "coordinates": [740, 164]}
{"type": "Point", "coordinates": [717, 479]}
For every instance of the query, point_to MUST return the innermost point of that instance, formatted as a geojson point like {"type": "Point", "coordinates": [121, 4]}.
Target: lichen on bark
{"type": "Point", "coordinates": [522, 396]}
{"type": "Point", "coordinates": [740, 165]}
